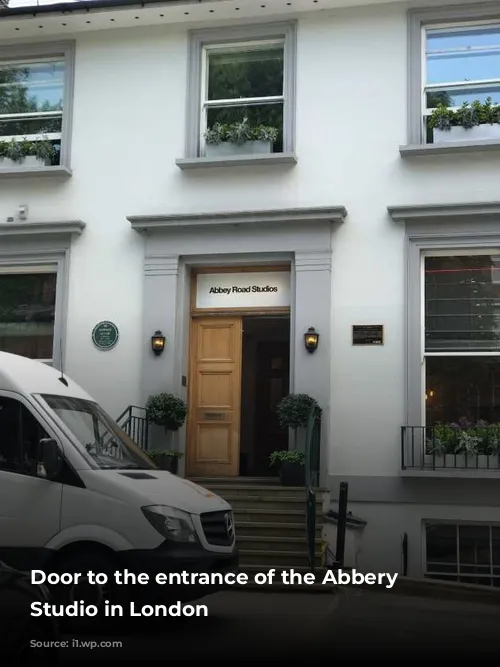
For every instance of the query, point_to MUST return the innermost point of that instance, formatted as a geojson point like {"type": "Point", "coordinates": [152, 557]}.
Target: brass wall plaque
{"type": "Point", "coordinates": [367, 334]}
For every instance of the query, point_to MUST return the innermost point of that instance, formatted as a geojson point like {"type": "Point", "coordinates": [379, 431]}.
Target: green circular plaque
{"type": "Point", "coordinates": [105, 335]}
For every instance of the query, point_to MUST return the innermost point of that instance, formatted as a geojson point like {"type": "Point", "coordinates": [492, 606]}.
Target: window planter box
{"type": "Point", "coordinates": [463, 462]}
{"type": "Point", "coordinates": [248, 148]}
{"type": "Point", "coordinates": [460, 134]}
{"type": "Point", "coordinates": [28, 161]}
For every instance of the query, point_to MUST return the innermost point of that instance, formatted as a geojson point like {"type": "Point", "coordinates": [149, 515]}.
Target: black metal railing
{"type": "Point", "coordinates": [135, 424]}
{"type": "Point", "coordinates": [450, 447]}
{"type": "Point", "coordinates": [313, 443]}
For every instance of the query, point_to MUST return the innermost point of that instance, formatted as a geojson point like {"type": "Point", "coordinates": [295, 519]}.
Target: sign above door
{"type": "Point", "coordinates": [247, 289]}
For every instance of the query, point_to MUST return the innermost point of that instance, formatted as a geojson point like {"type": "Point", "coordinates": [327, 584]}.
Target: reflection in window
{"type": "Point", "coordinates": [31, 108]}
{"type": "Point", "coordinates": [244, 99]}
{"type": "Point", "coordinates": [466, 553]}
{"type": "Point", "coordinates": [461, 65]}
{"type": "Point", "coordinates": [462, 323]}
{"type": "Point", "coordinates": [27, 314]}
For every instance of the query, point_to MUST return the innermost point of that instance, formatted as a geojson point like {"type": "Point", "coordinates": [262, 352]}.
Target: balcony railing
{"type": "Point", "coordinates": [449, 447]}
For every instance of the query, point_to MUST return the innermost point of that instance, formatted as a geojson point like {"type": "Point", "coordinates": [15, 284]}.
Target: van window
{"type": "Point", "coordinates": [100, 438]}
{"type": "Point", "coordinates": [20, 434]}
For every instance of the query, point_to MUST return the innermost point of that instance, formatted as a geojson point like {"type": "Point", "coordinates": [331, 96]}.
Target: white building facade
{"type": "Point", "coordinates": [337, 199]}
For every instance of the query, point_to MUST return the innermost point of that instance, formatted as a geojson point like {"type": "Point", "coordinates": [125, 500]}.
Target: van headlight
{"type": "Point", "coordinates": [170, 522]}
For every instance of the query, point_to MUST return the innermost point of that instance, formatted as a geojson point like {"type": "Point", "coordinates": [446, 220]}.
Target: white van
{"type": "Point", "coordinates": [77, 494]}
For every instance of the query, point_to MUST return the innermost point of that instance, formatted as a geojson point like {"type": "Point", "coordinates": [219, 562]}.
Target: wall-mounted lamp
{"type": "Point", "coordinates": [311, 339]}
{"type": "Point", "coordinates": [158, 342]}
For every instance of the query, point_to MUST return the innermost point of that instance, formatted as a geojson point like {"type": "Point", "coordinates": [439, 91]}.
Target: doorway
{"type": "Point", "coordinates": [239, 371]}
{"type": "Point", "coordinates": [265, 381]}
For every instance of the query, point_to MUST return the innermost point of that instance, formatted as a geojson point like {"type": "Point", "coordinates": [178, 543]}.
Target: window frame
{"type": "Point", "coordinates": [419, 20]}
{"type": "Point", "coordinates": [34, 264]}
{"type": "Point", "coordinates": [453, 252]}
{"type": "Point", "coordinates": [30, 52]}
{"type": "Point", "coordinates": [418, 246]}
{"type": "Point", "coordinates": [41, 421]}
{"type": "Point", "coordinates": [202, 40]}
{"type": "Point", "coordinates": [457, 524]}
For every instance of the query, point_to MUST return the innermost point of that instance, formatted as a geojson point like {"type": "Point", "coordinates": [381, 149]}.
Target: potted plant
{"type": "Point", "coordinates": [239, 139]}
{"type": "Point", "coordinates": [463, 444]}
{"type": "Point", "coordinates": [293, 412]}
{"type": "Point", "coordinates": [38, 153]}
{"type": "Point", "coordinates": [165, 459]}
{"type": "Point", "coordinates": [478, 121]}
{"type": "Point", "coordinates": [169, 411]}
{"type": "Point", "coordinates": [291, 468]}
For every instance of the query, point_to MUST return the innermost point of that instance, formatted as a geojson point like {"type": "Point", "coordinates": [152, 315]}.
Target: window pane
{"type": "Point", "coordinates": [22, 128]}
{"type": "Point", "coordinates": [441, 543]}
{"type": "Point", "coordinates": [465, 55]}
{"type": "Point", "coordinates": [31, 87]}
{"type": "Point", "coordinates": [462, 303]}
{"type": "Point", "coordinates": [252, 73]}
{"type": "Point", "coordinates": [27, 312]}
{"type": "Point", "coordinates": [495, 548]}
{"type": "Point", "coordinates": [269, 115]}
{"type": "Point", "coordinates": [21, 434]}
{"type": "Point", "coordinates": [456, 97]}
{"type": "Point", "coordinates": [474, 546]}
{"type": "Point", "coordinates": [463, 389]}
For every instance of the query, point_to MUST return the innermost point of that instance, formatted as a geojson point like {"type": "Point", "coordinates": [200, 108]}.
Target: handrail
{"type": "Point", "coordinates": [135, 426]}
{"type": "Point", "coordinates": [313, 441]}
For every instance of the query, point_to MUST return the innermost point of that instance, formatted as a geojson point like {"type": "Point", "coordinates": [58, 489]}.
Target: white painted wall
{"type": "Point", "coordinates": [351, 117]}
{"type": "Point", "coordinates": [381, 540]}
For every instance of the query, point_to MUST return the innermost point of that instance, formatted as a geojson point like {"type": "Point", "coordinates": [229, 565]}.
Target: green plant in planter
{"type": "Point", "coordinates": [467, 116]}
{"type": "Point", "coordinates": [293, 411]}
{"type": "Point", "coordinates": [166, 410]}
{"type": "Point", "coordinates": [165, 459]}
{"type": "Point", "coordinates": [279, 457]}
{"type": "Point", "coordinates": [18, 150]}
{"type": "Point", "coordinates": [464, 438]}
{"type": "Point", "coordinates": [239, 133]}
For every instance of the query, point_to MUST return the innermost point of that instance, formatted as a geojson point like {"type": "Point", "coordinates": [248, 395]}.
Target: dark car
{"type": "Point", "coordinates": [22, 635]}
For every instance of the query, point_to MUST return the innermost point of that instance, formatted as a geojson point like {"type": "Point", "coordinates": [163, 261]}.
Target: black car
{"type": "Point", "coordinates": [22, 635]}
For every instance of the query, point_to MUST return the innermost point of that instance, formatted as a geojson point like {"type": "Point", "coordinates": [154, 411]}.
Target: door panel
{"type": "Point", "coordinates": [213, 432]}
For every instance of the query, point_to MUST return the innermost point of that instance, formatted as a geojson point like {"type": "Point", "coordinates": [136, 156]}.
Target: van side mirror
{"type": "Point", "coordinates": [49, 458]}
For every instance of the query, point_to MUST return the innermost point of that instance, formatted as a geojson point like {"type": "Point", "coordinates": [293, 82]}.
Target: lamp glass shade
{"type": "Point", "coordinates": [158, 342]}
{"type": "Point", "coordinates": [311, 339]}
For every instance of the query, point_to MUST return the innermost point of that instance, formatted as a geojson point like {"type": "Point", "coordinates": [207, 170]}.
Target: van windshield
{"type": "Point", "coordinates": [106, 444]}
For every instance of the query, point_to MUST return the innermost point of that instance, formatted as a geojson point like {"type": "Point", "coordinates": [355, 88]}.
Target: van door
{"type": "Point", "coordinates": [30, 506]}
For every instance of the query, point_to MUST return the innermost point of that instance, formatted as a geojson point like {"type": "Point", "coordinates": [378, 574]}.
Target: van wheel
{"type": "Point", "coordinates": [85, 561]}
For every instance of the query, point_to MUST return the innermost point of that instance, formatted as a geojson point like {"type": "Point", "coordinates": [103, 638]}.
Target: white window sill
{"type": "Point", "coordinates": [416, 150]}
{"type": "Point", "coordinates": [30, 172]}
{"type": "Point", "coordinates": [236, 161]}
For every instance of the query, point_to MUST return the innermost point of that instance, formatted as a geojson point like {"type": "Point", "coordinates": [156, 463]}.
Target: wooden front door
{"type": "Point", "coordinates": [213, 447]}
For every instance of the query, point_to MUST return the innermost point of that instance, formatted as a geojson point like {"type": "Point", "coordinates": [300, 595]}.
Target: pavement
{"type": "Point", "coordinates": [281, 627]}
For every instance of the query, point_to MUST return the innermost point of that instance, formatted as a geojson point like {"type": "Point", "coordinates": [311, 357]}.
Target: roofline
{"type": "Point", "coordinates": [86, 7]}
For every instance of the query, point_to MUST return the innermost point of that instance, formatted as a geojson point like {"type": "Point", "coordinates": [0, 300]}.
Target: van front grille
{"type": "Point", "coordinates": [218, 528]}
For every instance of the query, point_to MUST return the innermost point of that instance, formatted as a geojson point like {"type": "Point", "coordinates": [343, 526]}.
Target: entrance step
{"type": "Point", "coordinates": [270, 521]}
{"type": "Point", "coordinates": [267, 529]}
{"type": "Point", "coordinates": [276, 558]}
{"type": "Point", "coordinates": [269, 544]}
{"type": "Point", "coordinates": [279, 502]}
{"type": "Point", "coordinates": [270, 515]}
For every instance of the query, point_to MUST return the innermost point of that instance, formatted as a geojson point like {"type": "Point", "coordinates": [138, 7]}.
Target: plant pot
{"type": "Point", "coordinates": [292, 474]}
{"type": "Point", "coordinates": [225, 148]}
{"type": "Point", "coordinates": [167, 462]}
{"type": "Point", "coordinates": [460, 134]}
{"type": "Point", "coordinates": [28, 161]}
